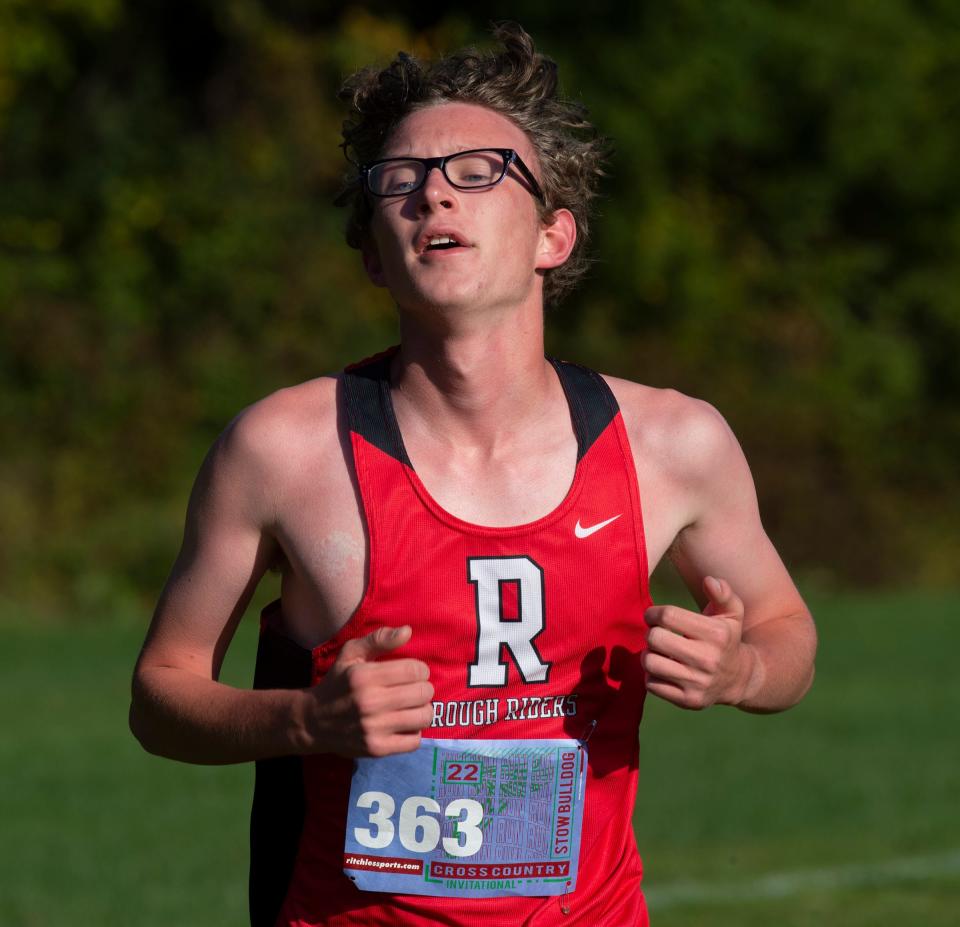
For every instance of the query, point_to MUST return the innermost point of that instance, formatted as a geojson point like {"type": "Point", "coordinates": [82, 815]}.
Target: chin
{"type": "Point", "coordinates": [438, 299]}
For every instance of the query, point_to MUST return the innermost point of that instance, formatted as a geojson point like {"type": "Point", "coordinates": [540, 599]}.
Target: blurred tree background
{"type": "Point", "coordinates": [780, 236]}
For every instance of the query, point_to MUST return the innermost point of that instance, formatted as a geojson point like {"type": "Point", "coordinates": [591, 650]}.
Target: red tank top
{"type": "Point", "coordinates": [532, 631]}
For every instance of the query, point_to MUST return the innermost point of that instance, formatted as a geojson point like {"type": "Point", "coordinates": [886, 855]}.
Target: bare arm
{"type": "Point", "coordinates": [180, 710]}
{"type": "Point", "coordinates": [753, 645]}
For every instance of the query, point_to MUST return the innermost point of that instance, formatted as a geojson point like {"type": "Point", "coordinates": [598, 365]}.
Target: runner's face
{"type": "Point", "coordinates": [498, 228]}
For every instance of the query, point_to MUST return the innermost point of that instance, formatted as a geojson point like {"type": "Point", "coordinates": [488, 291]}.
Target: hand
{"type": "Point", "coordinates": [696, 660]}
{"type": "Point", "coordinates": [368, 708]}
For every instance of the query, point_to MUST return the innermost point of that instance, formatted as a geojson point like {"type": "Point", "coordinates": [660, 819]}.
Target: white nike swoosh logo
{"type": "Point", "coordinates": [582, 532]}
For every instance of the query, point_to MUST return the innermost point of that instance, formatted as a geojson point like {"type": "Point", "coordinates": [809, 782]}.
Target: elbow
{"type": "Point", "coordinates": [811, 675]}
{"type": "Point", "coordinates": [139, 719]}
{"type": "Point", "coordinates": [806, 654]}
{"type": "Point", "coordinates": [139, 726]}
{"type": "Point", "coordinates": [802, 666]}
{"type": "Point", "coordinates": [136, 726]}
{"type": "Point", "coordinates": [811, 655]}
{"type": "Point", "coordinates": [809, 670]}
{"type": "Point", "coordinates": [784, 666]}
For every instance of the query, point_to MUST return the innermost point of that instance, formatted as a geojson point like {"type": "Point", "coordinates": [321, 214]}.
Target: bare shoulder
{"type": "Point", "coordinates": [277, 429]}
{"type": "Point", "coordinates": [685, 436]}
{"type": "Point", "coordinates": [267, 445]}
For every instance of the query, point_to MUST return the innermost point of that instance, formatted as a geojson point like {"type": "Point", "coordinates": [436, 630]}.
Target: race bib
{"type": "Point", "coordinates": [468, 818]}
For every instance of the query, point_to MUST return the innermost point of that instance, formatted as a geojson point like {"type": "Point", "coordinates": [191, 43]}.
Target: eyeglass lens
{"type": "Point", "coordinates": [473, 169]}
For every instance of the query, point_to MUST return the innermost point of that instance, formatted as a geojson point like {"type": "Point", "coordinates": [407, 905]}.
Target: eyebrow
{"type": "Point", "coordinates": [457, 150]}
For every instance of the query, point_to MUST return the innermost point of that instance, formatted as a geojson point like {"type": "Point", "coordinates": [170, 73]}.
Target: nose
{"type": "Point", "coordinates": [436, 192]}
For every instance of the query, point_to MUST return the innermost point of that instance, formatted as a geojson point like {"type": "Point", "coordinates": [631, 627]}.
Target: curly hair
{"type": "Point", "coordinates": [517, 82]}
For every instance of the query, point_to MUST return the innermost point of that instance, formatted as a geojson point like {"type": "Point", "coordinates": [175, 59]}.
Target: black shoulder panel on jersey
{"type": "Point", "coordinates": [276, 820]}
{"type": "Point", "coordinates": [592, 404]}
{"type": "Point", "coordinates": [366, 391]}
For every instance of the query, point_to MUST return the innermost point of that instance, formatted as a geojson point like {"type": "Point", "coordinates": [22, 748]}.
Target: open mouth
{"type": "Point", "coordinates": [442, 243]}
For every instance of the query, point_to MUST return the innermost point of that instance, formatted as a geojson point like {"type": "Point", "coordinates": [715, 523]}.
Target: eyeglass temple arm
{"type": "Point", "coordinates": [528, 176]}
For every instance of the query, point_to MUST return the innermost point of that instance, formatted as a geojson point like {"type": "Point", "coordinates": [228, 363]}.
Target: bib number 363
{"type": "Point", "coordinates": [471, 818]}
{"type": "Point", "coordinates": [417, 826]}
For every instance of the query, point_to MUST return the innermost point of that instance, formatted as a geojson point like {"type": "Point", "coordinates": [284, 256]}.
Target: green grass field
{"type": "Point", "coordinates": [846, 811]}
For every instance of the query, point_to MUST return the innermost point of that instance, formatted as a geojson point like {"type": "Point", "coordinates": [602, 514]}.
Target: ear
{"type": "Point", "coordinates": [371, 261]}
{"type": "Point", "coordinates": [557, 238]}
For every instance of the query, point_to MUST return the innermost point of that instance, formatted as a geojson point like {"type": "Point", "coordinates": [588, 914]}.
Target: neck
{"type": "Point", "coordinates": [473, 385]}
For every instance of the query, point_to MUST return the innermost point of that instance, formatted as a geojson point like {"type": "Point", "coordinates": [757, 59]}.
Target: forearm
{"type": "Point", "coordinates": [777, 660]}
{"type": "Point", "coordinates": [183, 716]}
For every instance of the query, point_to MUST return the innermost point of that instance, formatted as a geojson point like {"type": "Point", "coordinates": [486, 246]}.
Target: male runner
{"type": "Point", "coordinates": [448, 692]}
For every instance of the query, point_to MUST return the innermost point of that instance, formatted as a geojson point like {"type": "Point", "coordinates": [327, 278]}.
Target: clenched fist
{"type": "Point", "coordinates": [366, 707]}
{"type": "Point", "coordinates": [695, 659]}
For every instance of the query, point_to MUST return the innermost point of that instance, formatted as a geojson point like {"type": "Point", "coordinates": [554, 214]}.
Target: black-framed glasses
{"type": "Point", "coordinates": [476, 169]}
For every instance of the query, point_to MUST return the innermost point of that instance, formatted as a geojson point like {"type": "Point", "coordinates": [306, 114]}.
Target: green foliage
{"type": "Point", "coordinates": [780, 237]}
